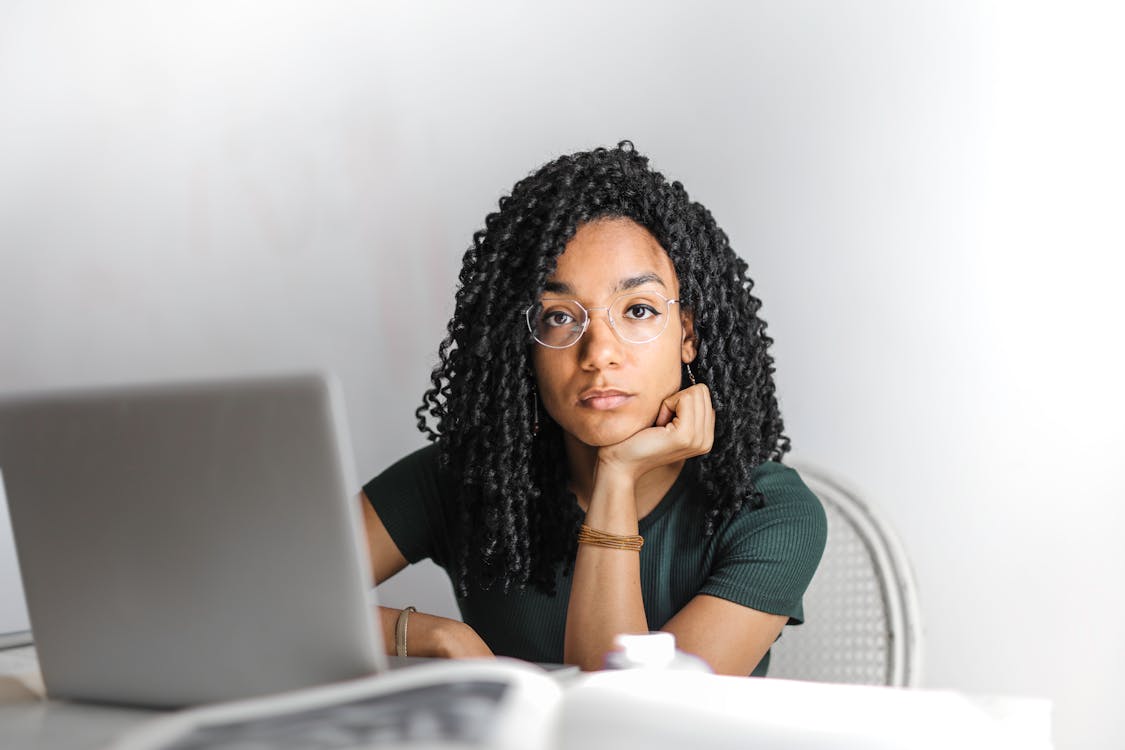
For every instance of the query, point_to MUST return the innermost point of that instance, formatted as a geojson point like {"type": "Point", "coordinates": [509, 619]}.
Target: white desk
{"type": "Point", "coordinates": [29, 721]}
{"type": "Point", "coordinates": [654, 710]}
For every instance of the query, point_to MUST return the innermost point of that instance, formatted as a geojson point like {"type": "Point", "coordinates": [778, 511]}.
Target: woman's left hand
{"type": "Point", "coordinates": [685, 427]}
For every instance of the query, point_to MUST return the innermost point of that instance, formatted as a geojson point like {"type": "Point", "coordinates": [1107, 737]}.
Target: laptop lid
{"type": "Point", "coordinates": [184, 544]}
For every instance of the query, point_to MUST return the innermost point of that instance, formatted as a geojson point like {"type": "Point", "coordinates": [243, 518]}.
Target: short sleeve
{"type": "Point", "coordinates": [767, 555]}
{"type": "Point", "coordinates": [410, 498]}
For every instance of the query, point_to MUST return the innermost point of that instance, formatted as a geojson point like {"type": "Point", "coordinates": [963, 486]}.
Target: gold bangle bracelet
{"type": "Point", "coordinates": [587, 535]}
{"type": "Point", "coordinates": [400, 630]}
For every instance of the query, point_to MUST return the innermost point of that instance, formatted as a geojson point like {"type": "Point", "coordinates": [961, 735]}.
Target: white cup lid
{"type": "Point", "coordinates": [655, 649]}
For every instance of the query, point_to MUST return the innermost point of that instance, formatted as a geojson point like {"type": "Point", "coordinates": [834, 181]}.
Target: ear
{"type": "Point", "coordinates": [688, 348]}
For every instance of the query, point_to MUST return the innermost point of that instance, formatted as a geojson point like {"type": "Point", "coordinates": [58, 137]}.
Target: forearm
{"type": "Point", "coordinates": [430, 635]}
{"type": "Point", "coordinates": [605, 596]}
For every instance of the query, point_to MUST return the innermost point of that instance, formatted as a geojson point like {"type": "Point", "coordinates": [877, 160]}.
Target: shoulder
{"type": "Point", "coordinates": [411, 498]}
{"type": "Point", "coordinates": [423, 461]}
{"type": "Point", "coordinates": [782, 485]}
{"type": "Point", "coordinates": [415, 476]}
{"type": "Point", "coordinates": [787, 512]}
{"type": "Point", "coordinates": [766, 553]}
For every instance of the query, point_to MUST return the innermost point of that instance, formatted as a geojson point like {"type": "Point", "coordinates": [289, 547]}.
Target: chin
{"type": "Point", "coordinates": [608, 430]}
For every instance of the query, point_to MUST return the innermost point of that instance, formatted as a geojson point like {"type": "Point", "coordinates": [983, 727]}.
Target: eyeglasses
{"type": "Point", "coordinates": [636, 318]}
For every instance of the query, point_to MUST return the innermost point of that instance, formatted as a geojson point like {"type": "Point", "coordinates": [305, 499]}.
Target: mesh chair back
{"type": "Point", "coordinates": [862, 621]}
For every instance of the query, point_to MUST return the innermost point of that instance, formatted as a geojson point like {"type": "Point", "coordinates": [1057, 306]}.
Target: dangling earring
{"type": "Point", "coordinates": [535, 410]}
{"type": "Point", "coordinates": [691, 376]}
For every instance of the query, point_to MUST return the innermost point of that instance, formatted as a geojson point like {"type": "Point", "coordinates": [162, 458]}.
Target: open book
{"type": "Point", "coordinates": [504, 704]}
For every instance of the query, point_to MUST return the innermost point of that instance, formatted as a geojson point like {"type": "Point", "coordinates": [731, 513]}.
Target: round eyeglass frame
{"type": "Point", "coordinates": [608, 315]}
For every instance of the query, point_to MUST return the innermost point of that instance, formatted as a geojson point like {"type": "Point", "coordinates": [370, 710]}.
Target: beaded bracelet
{"type": "Point", "coordinates": [586, 535]}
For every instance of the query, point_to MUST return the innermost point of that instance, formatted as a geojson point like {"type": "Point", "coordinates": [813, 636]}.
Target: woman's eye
{"type": "Point", "coordinates": [640, 312]}
{"type": "Point", "coordinates": [557, 319]}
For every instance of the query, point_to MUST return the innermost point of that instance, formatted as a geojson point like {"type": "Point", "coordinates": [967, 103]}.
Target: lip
{"type": "Point", "coordinates": [602, 399]}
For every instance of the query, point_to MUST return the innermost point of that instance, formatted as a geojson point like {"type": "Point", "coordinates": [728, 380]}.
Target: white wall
{"type": "Point", "coordinates": [929, 195]}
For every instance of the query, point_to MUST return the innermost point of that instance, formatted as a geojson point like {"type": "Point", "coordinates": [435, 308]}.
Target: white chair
{"type": "Point", "coordinates": [862, 620]}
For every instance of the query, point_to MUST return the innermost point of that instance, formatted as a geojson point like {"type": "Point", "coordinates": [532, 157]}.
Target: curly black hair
{"type": "Point", "coordinates": [515, 521]}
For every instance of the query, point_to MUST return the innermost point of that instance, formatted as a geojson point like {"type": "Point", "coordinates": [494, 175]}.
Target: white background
{"type": "Point", "coordinates": [929, 195]}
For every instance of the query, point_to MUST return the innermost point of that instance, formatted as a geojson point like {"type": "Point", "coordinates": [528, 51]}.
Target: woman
{"type": "Point", "coordinates": [605, 384]}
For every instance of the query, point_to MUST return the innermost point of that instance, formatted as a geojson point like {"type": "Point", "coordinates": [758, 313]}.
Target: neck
{"type": "Point", "coordinates": [649, 490]}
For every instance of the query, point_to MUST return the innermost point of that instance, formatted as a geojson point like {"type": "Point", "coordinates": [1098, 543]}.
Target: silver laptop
{"type": "Point", "coordinates": [188, 544]}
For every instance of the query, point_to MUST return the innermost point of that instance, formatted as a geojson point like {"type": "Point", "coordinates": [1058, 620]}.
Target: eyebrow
{"type": "Point", "coordinates": [624, 285]}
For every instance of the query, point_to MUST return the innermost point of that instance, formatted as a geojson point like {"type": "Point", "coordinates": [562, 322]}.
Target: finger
{"type": "Point", "coordinates": [669, 410]}
{"type": "Point", "coordinates": [709, 430]}
{"type": "Point", "coordinates": [687, 421]}
{"type": "Point", "coordinates": [702, 398]}
{"type": "Point", "coordinates": [697, 415]}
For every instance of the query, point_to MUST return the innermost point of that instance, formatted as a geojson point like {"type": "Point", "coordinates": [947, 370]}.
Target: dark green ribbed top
{"type": "Point", "coordinates": [761, 558]}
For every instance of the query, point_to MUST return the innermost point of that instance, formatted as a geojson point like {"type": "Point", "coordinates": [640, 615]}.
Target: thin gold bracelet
{"type": "Point", "coordinates": [400, 630]}
{"type": "Point", "coordinates": [586, 535]}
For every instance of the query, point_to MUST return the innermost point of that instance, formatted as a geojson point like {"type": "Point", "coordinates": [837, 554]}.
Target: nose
{"type": "Point", "coordinates": [599, 345]}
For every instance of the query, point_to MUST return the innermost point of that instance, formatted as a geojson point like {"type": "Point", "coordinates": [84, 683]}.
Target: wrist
{"type": "Point", "coordinates": [447, 637]}
{"type": "Point", "coordinates": [618, 476]}
{"type": "Point", "coordinates": [613, 500]}
{"type": "Point", "coordinates": [424, 634]}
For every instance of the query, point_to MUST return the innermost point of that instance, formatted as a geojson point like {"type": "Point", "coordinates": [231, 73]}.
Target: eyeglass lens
{"type": "Point", "coordinates": [637, 318]}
